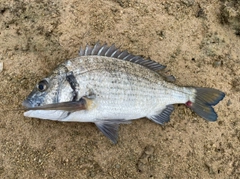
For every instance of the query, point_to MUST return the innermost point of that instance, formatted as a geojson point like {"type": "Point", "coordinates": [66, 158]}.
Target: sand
{"type": "Point", "coordinates": [197, 40]}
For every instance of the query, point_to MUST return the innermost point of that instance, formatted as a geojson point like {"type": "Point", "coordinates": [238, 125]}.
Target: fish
{"type": "Point", "coordinates": [108, 87]}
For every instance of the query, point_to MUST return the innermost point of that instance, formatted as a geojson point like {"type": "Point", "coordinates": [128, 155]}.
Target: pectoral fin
{"type": "Point", "coordinates": [110, 128]}
{"type": "Point", "coordinates": [164, 116]}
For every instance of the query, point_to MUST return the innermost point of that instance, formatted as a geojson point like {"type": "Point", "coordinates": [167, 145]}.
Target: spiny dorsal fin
{"type": "Point", "coordinates": [114, 52]}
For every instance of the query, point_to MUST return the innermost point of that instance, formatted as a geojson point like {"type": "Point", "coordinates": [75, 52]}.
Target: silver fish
{"type": "Point", "coordinates": [107, 86]}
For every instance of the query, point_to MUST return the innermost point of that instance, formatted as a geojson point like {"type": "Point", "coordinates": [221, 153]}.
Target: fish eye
{"type": "Point", "coordinates": [42, 85]}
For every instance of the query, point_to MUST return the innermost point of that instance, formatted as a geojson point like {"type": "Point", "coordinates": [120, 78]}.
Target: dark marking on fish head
{"type": "Point", "coordinates": [71, 79]}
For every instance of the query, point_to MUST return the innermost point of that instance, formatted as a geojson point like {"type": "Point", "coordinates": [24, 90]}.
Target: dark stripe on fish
{"type": "Point", "coordinates": [74, 85]}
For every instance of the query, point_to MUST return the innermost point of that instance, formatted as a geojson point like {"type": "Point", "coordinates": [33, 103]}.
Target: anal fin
{"type": "Point", "coordinates": [110, 128]}
{"type": "Point", "coordinates": [164, 116]}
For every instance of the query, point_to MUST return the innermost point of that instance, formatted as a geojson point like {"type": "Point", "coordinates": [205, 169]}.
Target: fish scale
{"type": "Point", "coordinates": [107, 86]}
{"type": "Point", "coordinates": [112, 96]}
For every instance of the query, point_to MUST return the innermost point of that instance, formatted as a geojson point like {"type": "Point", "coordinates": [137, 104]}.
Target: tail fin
{"type": "Point", "coordinates": [204, 100]}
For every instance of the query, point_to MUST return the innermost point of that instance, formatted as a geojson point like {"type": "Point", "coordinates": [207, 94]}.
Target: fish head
{"type": "Point", "coordinates": [44, 92]}
{"type": "Point", "coordinates": [50, 90]}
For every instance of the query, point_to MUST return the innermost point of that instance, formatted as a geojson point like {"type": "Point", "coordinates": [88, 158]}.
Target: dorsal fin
{"type": "Point", "coordinates": [114, 52]}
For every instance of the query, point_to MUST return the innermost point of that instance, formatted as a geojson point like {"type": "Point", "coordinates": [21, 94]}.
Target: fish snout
{"type": "Point", "coordinates": [27, 103]}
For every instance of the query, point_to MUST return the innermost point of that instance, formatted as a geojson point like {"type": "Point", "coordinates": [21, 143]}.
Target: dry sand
{"type": "Point", "coordinates": [198, 41]}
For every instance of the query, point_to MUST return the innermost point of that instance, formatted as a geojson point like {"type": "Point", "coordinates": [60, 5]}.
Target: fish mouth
{"type": "Point", "coordinates": [27, 104]}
